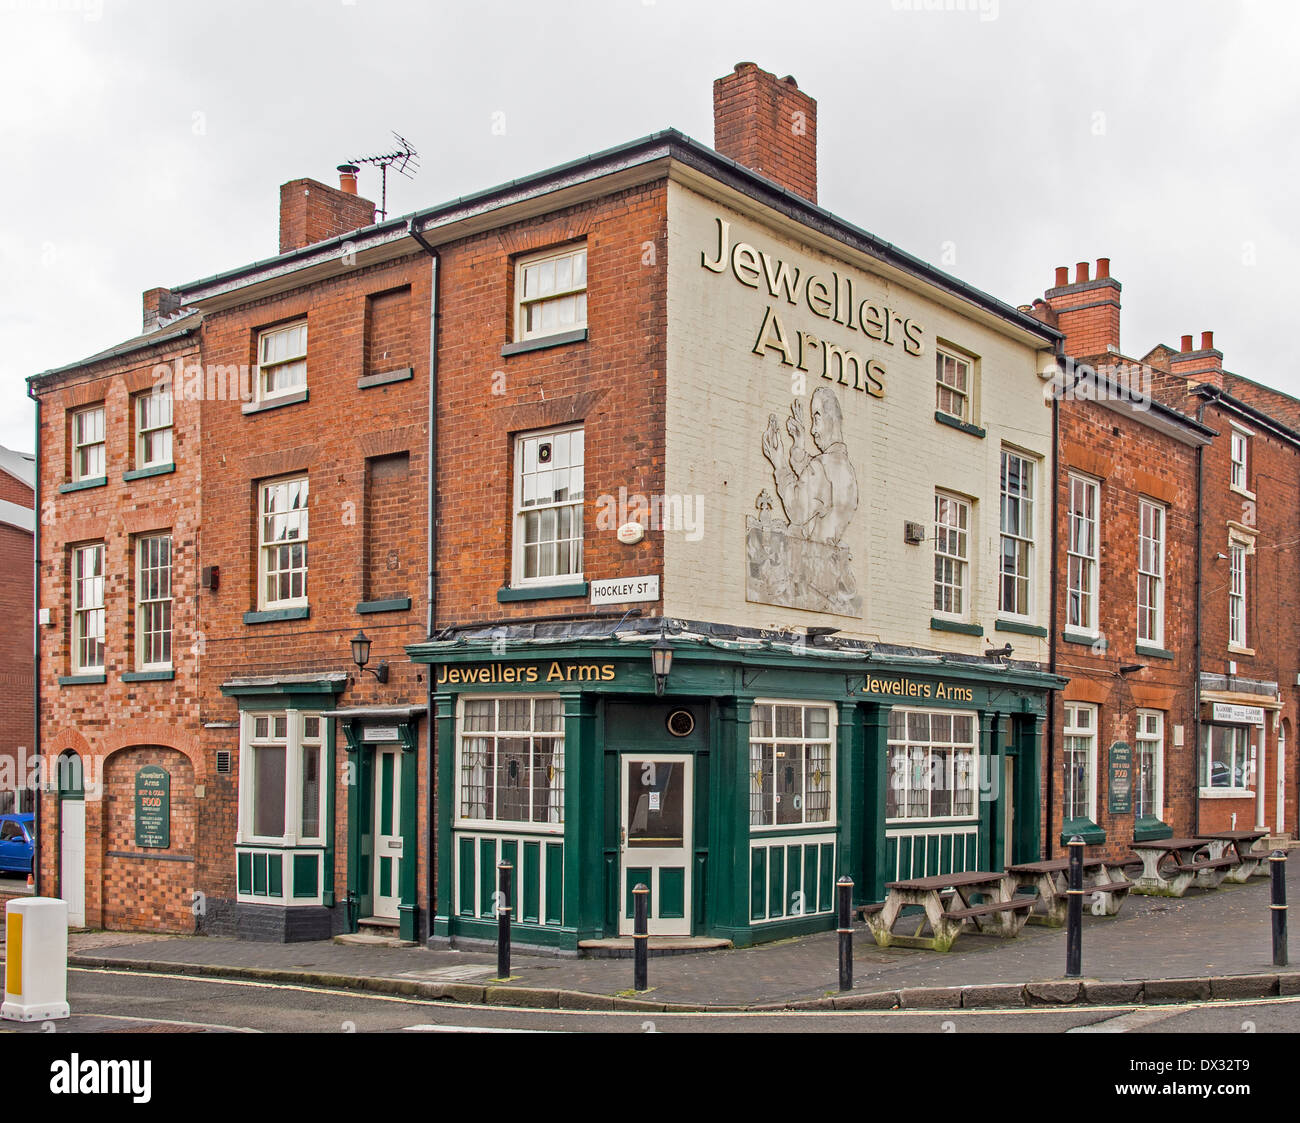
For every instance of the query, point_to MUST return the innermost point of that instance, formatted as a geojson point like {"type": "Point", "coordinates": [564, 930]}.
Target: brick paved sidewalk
{"type": "Point", "coordinates": [1220, 933]}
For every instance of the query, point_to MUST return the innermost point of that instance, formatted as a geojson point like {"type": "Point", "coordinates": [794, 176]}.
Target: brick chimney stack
{"type": "Point", "coordinates": [158, 305]}
{"type": "Point", "coordinates": [311, 211]}
{"type": "Point", "coordinates": [1203, 364]}
{"type": "Point", "coordinates": [1086, 310]}
{"type": "Point", "coordinates": [769, 125]}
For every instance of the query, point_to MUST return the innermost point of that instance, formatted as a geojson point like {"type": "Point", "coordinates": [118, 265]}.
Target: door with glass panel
{"type": "Point", "coordinates": [655, 833]}
{"type": "Point", "coordinates": [388, 835]}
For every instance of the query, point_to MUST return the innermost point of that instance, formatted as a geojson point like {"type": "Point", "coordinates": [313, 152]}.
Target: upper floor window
{"type": "Point", "coordinates": [282, 360]}
{"type": "Point", "coordinates": [1237, 551]}
{"type": "Point", "coordinates": [282, 543]}
{"type": "Point", "coordinates": [551, 293]}
{"type": "Point", "coordinates": [1081, 579]}
{"type": "Point", "coordinates": [88, 608]}
{"type": "Point", "coordinates": [1240, 456]}
{"type": "Point", "coordinates": [1017, 538]}
{"type": "Point", "coordinates": [953, 386]}
{"type": "Point", "coordinates": [1151, 573]}
{"type": "Point", "coordinates": [548, 506]}
{"type": "Point", "coordinates": [153, 602]}
{"type": "Point", "coordinates": [88, 444]}
{"type": "Point", "coordinates": [153, 430]}
{"type": "Point", "coordinates": [951, 554]}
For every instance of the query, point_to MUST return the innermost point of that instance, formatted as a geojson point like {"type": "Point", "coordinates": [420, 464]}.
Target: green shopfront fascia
{"type": "Point", "coordinates": [738, 796]}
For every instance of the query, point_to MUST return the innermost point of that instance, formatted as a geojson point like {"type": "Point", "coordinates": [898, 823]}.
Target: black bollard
{"type": "Point", "coordinates": [1074, 925]}
{"type": "Point", "coordinates": [503, 919]}
{"type": "Point", "coordinates": [640, 937]}
{"type": "Point", "coordinates": [1277, 870]}
{"type": "Point", "coordinates": [845, 889]}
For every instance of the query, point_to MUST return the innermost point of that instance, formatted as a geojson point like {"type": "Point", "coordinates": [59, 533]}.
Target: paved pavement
{"type": "Point", "coordinates": [1221, 935]}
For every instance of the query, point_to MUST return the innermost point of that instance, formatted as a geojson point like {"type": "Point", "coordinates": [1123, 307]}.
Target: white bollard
{"type": "Point", "coordinates": [36, 960]}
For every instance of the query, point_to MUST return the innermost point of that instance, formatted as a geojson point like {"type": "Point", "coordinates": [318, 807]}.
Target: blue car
{"type": "Point", "coordinates": [16, 832]}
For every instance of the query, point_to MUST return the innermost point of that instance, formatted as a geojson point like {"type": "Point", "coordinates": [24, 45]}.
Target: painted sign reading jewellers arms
{"type": "Point", "coordinates": [625, 590]}
{"type": "Point", "coordinates": [832, 299]}
{"type": "Point", "coordinates": [491, 674]}
{"type": "Point", "coordinates": [923, 691]}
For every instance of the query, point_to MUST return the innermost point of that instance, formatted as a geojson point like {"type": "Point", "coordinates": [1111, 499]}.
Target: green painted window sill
{"type": "Point", "coordinates": [1154, 652]}
{"type": "Point", "coordinates": [397, 604]}
{"type": "Point", "coordinates": [938, 624]}
{"type": "Point", "coordinates": [505, 594]}
{"type": "Point", "coordinates": [1086, 829]}
{"type": "Point", "coordinates": [965, 427]}
{"type": "Point", "coordinates": [1148, 828]}
{"type": "Point", "coordinates": [272, 614]}
{"type": "Point", "coordinates": [579, 335]}
{"type": "Point", "coordinates": [385, 378]}
{"type": "Point", "coordinates": [144, 473]}
{"type": "Point", "coordinates": [1083, 639]}
{"type": "Point", "coordinates": [83, 680]}
{"type": "Point", "coordinates": [148, 676]}
{"type": "Point", "coordinates": [1019, 628]}
{"type": "Point", "coordinates": [84, 485]}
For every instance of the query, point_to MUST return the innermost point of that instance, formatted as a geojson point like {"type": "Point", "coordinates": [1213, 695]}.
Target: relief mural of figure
{"type": "Point", "coordinates": [802, 563]}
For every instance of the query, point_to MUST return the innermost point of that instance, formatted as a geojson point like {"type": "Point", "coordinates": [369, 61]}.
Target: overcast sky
{"type": "Point", "coordinates": [144, 143]}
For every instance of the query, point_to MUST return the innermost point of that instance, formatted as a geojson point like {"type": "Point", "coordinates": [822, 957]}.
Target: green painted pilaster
{"type": "Point", "coordinates": [852, 809]}
{"type": "Point", "coordinates": [352, 780]}
{"type": "Point", "coordinates": [584, 814]}
{"type": "Point", "coordinates": [1029, 786]}
{"type": "Point", "coordinates": [990, 784]}
{"type": "Point", "coordinates": [444, 706]}
{"type": "Point", "coordinates": [875, 781]}
{"type": "Point", "coordinates": [729, 819]}
{"type": "Point", "coordinates": [408, 913]}
{"type": "Point", "coordinates": [328, 777]}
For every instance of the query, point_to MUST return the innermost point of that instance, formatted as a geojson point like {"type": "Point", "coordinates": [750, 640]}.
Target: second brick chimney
{"type": "Point", "coordinates": [769, 125]}
{"type": "Point", "coordinates": [1086, 309]}
{"type": "Point", "coordinates": [311, 211]}
{"type": "Point", "coordinates": [1199, 364]}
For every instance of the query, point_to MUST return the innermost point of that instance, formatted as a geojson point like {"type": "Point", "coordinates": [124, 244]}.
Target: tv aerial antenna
{"type": "Point", "coordinates": [405, 160]}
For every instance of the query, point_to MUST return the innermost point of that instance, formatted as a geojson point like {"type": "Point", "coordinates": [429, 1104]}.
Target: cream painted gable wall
{"type": "Point", "coordinates": [720, 396]}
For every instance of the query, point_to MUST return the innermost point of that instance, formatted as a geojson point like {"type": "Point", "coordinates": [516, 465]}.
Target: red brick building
{"type": "Point", "coordinates": [17, 603]}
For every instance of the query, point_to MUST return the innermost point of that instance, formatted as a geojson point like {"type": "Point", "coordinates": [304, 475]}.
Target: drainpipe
{"type": "Point", "coordinates": [1197, 646]}
{"type": "Point", "coordinates": [36, 651]}
{"type": "Point", "coordinates": [430, 592]}
{"type": "Point", "coordinates": [1052, 652]}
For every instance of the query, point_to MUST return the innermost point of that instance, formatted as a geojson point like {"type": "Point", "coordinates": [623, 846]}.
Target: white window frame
{"type": "Point", "coordinates": [79, 445]}
{"type": "Point", "coordinates": [1089, 731]}
{"type": "Point", "coordinates": [522, 510]}
{"type": "Point", "coordinates": [901, 753]}
{"type": "Point", "coordinates": [1150, 737]}
{"type": "Point", "coordinates": [149, 595]}
{"type": "Point", "coordinates": [293, 360]}
{"type": "Point", "coordinates": [965, 395]}
{"type": "Point", "coordinates": [952, 561]}
{"type": "Point", "coordinates": [1246, 745]}
{"type": "Point", "coordinates": [88, 606]}
{"type": "Point", "coordinates": [528, 268]}
{"type": "Point", "coordinates": [1153, 526]}
{"type": "Point", "coordinates": [801, 742]}
{"type": "Point", "coordinates": [496, 734]}
{"type": "Point", "coordinates": [151, 429]}
{"type": "Point", "coordinates": [294, 741]}
{"type": "Point", "coordinates": [1238, 593]}
{"type": "Point", "coordinates": [1083, 554]}
{"type": "Point", "coordinates": [266, 549]}
{"type": "Point", "coordinates": [1239, 459]}
{"type": "Point", "coordinates": [1023, 533]}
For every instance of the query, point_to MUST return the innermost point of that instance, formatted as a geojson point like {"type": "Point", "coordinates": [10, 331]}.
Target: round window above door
{"type": "Point", "coordinates": [680, 723]}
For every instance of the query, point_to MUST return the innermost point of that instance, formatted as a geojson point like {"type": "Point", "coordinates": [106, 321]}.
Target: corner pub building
{"type": "Point", "coordinates": [743, 548]}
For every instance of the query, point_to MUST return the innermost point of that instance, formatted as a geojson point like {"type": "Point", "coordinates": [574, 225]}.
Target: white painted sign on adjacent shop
{"type": "Point", "coordinates": [625, 590]}
{"type": "Point", "coordinates": [1238, 715]}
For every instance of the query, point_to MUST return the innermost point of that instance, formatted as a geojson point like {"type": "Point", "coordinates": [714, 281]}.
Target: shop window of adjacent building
{"type": "Point", "coordinates": [88, 444]}
{"type": "Point", "coordinates": [791, 764]}
{"type": "Point", "coordinates": [951, 555]}
{"type": "Point", "coordinates": [153, 430]}
{"type": "Point", "coordinates": [1227, 760]}
{"type": "Point", "coordinates": [953, 386]}
{"type": "Point", "coordinates": [153, 602]}
{"type": "Point", "coordinates": [933, 765]}
{"type": "Point", "coordinates": [1082, 556]}
{"type": "Point", "coordinates": [282, 361]}
{"type": "Point", "coordinates": [1080, 761]}
{"type": "Point", "coordinates": [511, 761]}
{"type": "Point", "coordinates": [282, 797]}
{"type": "Point", "coordinates": [1017, 534]}
{"type": "Point", "coordinates": [1149, 789]}
{"type": "Point", "coordinates": [88, 608]}
{"type": "Point", "coordinates": [548, 507]}
{"type": "Point", "coordinates": [282, 543]}
{"type": "Point", "coordinates": [1237, 551]}
{"type": "Point", "coordinates": [1151, 573]}
{"type": "Point", "coordinates": [1240, 453]}
{"type": "Point", "coordinates": [551, 293]}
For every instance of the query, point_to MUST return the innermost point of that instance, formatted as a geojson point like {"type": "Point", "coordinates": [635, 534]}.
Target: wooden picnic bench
{"type": "Point", "coordinates": [1104, 883]}
{"type": "Point", "coordinates": [1241, 844]}
{"type": "Point", "coordinates": [948, 905]}
{"type": "Point", "coordinates": [1170, 866]}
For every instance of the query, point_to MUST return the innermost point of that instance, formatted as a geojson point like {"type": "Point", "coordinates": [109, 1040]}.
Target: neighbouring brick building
{"type": "Point", "coordinates": [18, 605]}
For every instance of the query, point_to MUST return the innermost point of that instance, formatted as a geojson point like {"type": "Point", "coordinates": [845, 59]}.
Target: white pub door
{"type": "Point", "coordinates": [657, 801]}
{"type": "Point", "coordinates": [72, 859]}
{"type": "Point", "coordinates": [388, 835]}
